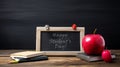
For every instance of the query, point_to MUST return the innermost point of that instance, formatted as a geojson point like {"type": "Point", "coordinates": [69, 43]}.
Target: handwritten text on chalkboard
{"type": "Point", "coordinates": [60, 41]}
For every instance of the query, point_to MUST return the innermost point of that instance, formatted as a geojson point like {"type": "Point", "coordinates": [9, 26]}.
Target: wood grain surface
{"type": "Point", "coordinates": [57, 61]}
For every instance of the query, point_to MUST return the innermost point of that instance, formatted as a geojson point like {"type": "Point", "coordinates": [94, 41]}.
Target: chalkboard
{"type": "Point", "coordinates": [59, 40]}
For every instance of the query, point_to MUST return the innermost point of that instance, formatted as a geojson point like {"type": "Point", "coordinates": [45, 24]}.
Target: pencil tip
{"type": "Point", "coordinates": [13, 62]}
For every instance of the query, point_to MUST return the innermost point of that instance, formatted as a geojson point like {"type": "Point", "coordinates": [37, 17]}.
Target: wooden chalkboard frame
{"type": "Point", "coordinates": [38, 39]}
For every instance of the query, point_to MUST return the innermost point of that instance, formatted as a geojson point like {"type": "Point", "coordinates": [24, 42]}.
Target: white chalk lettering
{"type": "Point", "coordinates": [59, 35]}
{"type": "Point", "coordinates": [59, 40]}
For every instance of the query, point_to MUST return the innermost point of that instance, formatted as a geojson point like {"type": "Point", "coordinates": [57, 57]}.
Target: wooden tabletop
{"type": "Point", "coordinates": [57, 61]}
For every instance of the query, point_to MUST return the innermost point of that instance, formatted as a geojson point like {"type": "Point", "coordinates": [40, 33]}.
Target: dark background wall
{"type": "Point", "coordinates": [19, 18]}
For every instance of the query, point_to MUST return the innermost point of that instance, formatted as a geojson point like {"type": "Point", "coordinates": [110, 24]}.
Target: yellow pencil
{"type": "Point", "coordinates": [13, 62]}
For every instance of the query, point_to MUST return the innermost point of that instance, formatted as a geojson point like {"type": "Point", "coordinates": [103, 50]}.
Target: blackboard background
{"type": "Point", "coordinates": [60, 41]}
{"type": "Point", "coordinates": [19, 18]}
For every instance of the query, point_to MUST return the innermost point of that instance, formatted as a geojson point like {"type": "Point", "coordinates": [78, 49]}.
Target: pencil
{"type": "Point", "coordinates": [13, 62]}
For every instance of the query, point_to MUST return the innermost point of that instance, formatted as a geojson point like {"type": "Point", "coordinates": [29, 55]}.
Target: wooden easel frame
{"type": "Point", "coordinates": [38, 39]}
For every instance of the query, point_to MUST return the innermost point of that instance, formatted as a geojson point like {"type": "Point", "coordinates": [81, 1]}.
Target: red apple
{"type": "Point", "coordinates": [74, 26]}
{"type": "Point", "coordinates": [106, 56]}
{"type": "Point", "coordinates": [93, 44]}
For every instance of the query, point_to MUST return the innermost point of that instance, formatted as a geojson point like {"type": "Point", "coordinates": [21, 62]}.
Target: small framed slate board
{"type": "Point", "coordinates": [59, 40]}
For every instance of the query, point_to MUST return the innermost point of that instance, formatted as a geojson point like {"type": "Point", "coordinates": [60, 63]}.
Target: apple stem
{"type": "Point", "coordinates": [95, 31]}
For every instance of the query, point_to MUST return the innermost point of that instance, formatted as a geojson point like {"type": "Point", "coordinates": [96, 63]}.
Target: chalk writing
{"type": "Point", "coordinates": [59, 35]}
{"type": "Point", "coordinates": [60, 41]}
